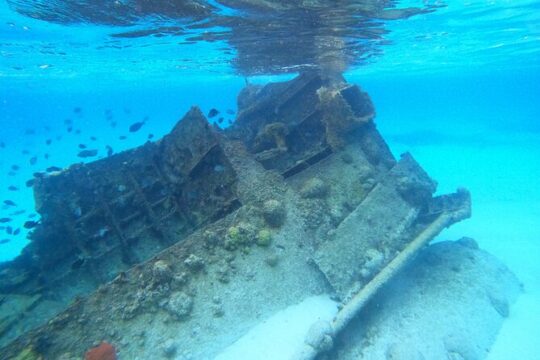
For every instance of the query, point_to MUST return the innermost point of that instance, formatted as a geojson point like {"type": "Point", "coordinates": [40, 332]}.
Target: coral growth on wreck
{"type": "Point", "coordinates": [103, 351]}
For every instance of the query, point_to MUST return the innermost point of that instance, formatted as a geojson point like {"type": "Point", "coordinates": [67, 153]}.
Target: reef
{"type": "Point", "coordinates": [167, 245]}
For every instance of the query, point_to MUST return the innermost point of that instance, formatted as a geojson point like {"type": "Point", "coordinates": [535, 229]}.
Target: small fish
{"type": "Point", "coordinates": [87, 153]}
{"type": "Point", "coordinates": [93, 138]}
{"type": "Point", "coordinates": [29, 132]}
{"type": "Point", "coordinates": [4, 241]}
{"type": "Point", "coordinates": [82, 146]}
{"type": "Point", "coordinates": [17, 231]}
{"type": "Point", "coordinates": [46, 155]}
{"type": "Point", "coordinates": [109, 150]}
{"type": "Point", "coordinates": [220, 120]}
{"type": "Point", "coordinates": [150, 136]}
{"type": "Point", "coordinates": [230, 111]}
{"type": "Point", "coordinates": [13, 188]}
{"type": "Point", "coordinates": [68, 121]}
{"type": "Point", "coordinates": [70, 129]}
{"type": "Point", "coordinates": [122, 137]}
{"type": "Point", "coordinates": [25, 152]}
{"type": "Point", "coordinates": [213, 112]}
{"type": "Point", "coordinates": [48, 141]}
{"type": "Point", "coordinates": [2, 145]}
{"type": "Point", "coordinates": [18, 212]}
{"type": "Point", "coordinates": [15, 167]}
{"type": "Point", "coordinates": [12, 173]}
{"type": "Point", "coordinates": [53, 169]}
{"type": "Point", "coordinates": [33, 160]}
{"type": "Point", "coordinates": [30, 224]}
{"type": "Point", "coordinates": [29, 183]}
{"type": "Point", "coordinates": [77, 110]}
{"type": "Point", "coordinates": [113, 124]}
{"type": "Point", "coordinates": [78, 131]}
{"type": "Point", "coordinates": [33, 215]}
{"type": "Point", "coordinates": [136, 126]}
{"type": "Point", "coordinates": [10, 203]}
{"type": "Point", "coordinates": [9, 230]}
{"type": "Point", "coordinates": [5, 220]}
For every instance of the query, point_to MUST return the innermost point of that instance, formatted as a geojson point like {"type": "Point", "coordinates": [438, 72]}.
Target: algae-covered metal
{"type": "Point", "coordinates": [222, 228]}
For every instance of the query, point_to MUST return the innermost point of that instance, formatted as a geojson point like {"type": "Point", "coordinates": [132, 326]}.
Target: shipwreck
{"type": "Point", "coordinates": [197, 237]}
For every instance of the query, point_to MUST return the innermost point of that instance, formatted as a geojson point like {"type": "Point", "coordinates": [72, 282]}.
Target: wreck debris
{"type": "Point", "coordinates": [274, 212]}
{"type": "Point", "coordinates": [358, 300]}
{"type": "Point", "coordinates": [206, 212]}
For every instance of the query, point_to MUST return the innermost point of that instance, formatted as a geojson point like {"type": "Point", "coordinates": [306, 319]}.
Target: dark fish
{"type": "Point", "coordinates": [33, 160]}
{"type": "Point", "coordinates": [13, 188]}
{"type": "Point", "coordinates": [39, 174]}
{"type": "Point", "coordinates": [2, 144]}
{"type": "Point", "coordinates": [46, 155]}
{"type": "Point", "coordinates": [136, 126]}
{"type": "Point", "coordinates": [30, 224]}
{"type": "Point", "coordinates": [29, 132]}
{"type": "Point", "coordinates": [93, 138]}
{"type": "Point", "coordinates": [53, 168]}
{"type": "Point", "coordinates": [9, 230]}
{"type": "Point", "coordinates": [150, 136]}
{"type": "Point", "coordinates": [4, 241]}
{"type": "Point", "coordinates": [48, 142]}
{"type": "Point", "coordinates": [122, 137]}
{"type": "Point", "coordinates": [68, 121]}
{"type": "Point", "coordinates": [29, 183]}
{"type": "Point", "coordinates": [58, 137]}
{"type": "Point", "coordinates": [25, 152]}
{"type": "Point", "coordinates": [70, 129]}
{"type": "Point", "coordinates": [230, 111]}
{"type": "Point", "coordinates": [4, 220]}
{"type": "Point", "coordinates": [10, 203]}
{"type": "Point", "coordinates": [82, 146]}
{"type": "Point", "coordinates": [33, 215]}
{"type": "Point", "coordinates": [109, 150]}
{"type": "Point", "coordinates": [213, 112]}
{"type": "Point", "coordinates": [113, 124]}
{"type": "Point", "coordinates": [77, 110]}
{"type": "Point", "coordinates": [12, 173]}
{"type": "Point", "coordinates": [87, 153]}
{"type": "Point", "coordinates": [18, 212]}
{"type": "Point", "coordinates": [17, 231]}
{"type": "Point", "coordinates": [15, 167]}
{"type": "Point", "coordinates": [47, 128]}
{"type": "Point", "coordinates": [220, 120]}
{"type": "Point", "coordinates": [78, 131]}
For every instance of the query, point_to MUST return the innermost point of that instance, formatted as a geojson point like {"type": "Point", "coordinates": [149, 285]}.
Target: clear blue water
{"type": "Point", "coordinates": [457, 87]}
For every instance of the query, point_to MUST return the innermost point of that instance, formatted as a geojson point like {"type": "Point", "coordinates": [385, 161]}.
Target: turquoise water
{"type": "Point", "coordinates": [457, 87]}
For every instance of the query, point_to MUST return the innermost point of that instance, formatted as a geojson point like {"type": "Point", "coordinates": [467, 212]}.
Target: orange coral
{"type": "Point", "coordinates": [103, 351]}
